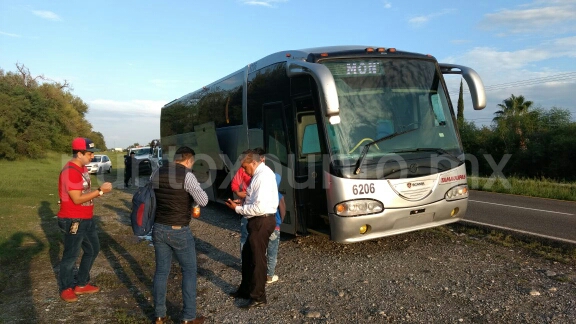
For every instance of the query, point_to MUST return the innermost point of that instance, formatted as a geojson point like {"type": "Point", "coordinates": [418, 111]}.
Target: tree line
{"type": "Point", "coordinates": [538, 142]}
{"type": "Point", "coordinates": [38, 115]}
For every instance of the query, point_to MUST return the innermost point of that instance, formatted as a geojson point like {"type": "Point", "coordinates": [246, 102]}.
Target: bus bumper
{"type": "Point", "coordinates": [396, 221]}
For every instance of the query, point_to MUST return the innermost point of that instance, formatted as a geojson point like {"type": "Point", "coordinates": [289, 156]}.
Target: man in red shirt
{"type": "Point", "coordinates": [238, 185]}
{"type": "Point", "coordinates": [75, 221]}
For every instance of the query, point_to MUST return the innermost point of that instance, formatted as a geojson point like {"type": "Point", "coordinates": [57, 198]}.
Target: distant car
{"type": "Point", "coordinates": [99, 164]}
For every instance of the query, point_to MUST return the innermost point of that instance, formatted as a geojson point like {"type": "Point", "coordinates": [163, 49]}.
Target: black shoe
{"type": "Point", "coordinates": [239, 294]}
{"type": "Point", "coordinates": [253, 304]}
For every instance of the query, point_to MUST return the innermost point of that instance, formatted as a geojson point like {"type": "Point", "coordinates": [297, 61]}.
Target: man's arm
{"type": "Point", "coordinates": [78, 197]}
{"type": "Point", "coordinates": [236, 181]}
{"type": "Point", "coordinates": [192, 186]}
{"type": "Point", "coordinates": [73, 184]}
{"type": "Point", "coordinates": [282, 207]}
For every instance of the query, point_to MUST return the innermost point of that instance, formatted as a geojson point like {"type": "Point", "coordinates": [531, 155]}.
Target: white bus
{"type": "Point", "coordinates": [365, 138]}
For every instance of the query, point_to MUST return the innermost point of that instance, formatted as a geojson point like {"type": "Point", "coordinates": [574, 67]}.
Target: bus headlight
{"type": "Point", "coordinates": [358, 207]}
{"type": "Point", "coordinates": [457, 192]}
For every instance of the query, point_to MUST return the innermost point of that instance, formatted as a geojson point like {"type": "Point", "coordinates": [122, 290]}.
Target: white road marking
{"type": "Point", "coordinates": [520, 231]}
{"type": "Point", "coordinates": [541, 210]}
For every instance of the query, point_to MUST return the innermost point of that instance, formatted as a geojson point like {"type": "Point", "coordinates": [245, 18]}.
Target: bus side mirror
{"type": "Point", "coordinates": [326, 86]}
{"type": "Point", "coordinates": [472, 79]}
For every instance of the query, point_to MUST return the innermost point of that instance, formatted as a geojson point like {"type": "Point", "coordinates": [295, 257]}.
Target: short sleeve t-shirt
{"type": "Point", "coordinates": [74, 177]}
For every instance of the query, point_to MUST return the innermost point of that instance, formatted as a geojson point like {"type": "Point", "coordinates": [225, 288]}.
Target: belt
{"type": "Point", "coordinates": [265, 215]}
{"type": "Point", "coordinates": [172, 226]}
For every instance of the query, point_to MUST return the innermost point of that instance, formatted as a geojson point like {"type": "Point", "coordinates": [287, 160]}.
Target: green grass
{"type": "Point", "coordinates": [30, 237]}
{"type": "Point", "coordinates": [543, 188]}
{"type": "Point", "coordinates": [29, 192]}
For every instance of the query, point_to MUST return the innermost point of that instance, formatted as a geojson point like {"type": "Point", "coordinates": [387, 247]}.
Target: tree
{"type": "Point", "coordinates": [460, 116]}
{"type": "Point", "coordinates": [510, 115]}
{"type": "Point", "coordinates": [39, 115]}
{"type": "Point", "coordinates": [98, 140]}
{"type": "Point", "coordinates": [513, 106]}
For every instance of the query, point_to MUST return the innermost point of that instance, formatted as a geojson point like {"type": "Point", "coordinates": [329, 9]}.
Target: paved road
{"type": "Point", "coordinates": [548, 218]}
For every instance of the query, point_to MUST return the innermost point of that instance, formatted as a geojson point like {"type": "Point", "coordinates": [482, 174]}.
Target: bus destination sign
{"type": "Point", "coordinates": [355, 68]}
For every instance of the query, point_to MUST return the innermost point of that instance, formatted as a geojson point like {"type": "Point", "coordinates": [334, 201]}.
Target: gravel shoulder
{"type": "Point", "coordinates": [440, 275]}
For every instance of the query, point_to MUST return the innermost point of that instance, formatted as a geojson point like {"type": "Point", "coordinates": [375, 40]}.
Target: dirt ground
{"type": "Point", "coordinates": [440, 275]}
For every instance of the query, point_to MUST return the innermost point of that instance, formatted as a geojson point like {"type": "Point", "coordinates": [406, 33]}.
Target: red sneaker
{"type": "Point", "coordinates": [88, 289]}
{"type": "Point", "coordinates": [68, 295]}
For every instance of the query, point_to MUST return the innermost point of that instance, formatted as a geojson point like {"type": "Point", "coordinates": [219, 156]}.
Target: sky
{"type": "Point", "coordinates": [127, 59]}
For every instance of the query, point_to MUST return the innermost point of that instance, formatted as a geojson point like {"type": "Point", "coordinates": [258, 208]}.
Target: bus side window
{"type": "Point", "coordinates": [310, 140]}
{"type": "Point", "coordinates": [440, 119]}
{"type": "Point", "coordinates": [276, 143]}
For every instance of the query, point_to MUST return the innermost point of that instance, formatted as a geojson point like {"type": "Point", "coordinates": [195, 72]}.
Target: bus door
{"type": "Point", "coordinates": [208, 159]}
{"type": "Point", "coordinates": [311, 195]}
{"type": "Point", "coordinates": [277, 158]}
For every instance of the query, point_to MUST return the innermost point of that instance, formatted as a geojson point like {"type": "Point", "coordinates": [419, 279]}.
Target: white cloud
{"type": "Point", "coordinates": [422, 20]}
{"type": "Point", "coordinates": [460, 41]}
{"type": "Point", "coordinates": [519, 72]}
{"type": "Point", "coordinates": [133, 107]}
{"type": "Point", "coordinates": [506, 60]}
{"type": "Point", "coordinates": [46, 15]}
{"type": "Point", "coordinates": [387, 4]}
{"type": "Point", "coordinates": [264, 3]}
{"type": "Point", "coordinates": [9, 34]}
{"type": "Point", "coordinates": [418, 21]}
{"type": "Point", "coordinates": [565, 46]}
{"type": "Point", "coordinates": [124, 123]}
{"type": "Point", "coordinates": [551, 16]}
{"type": "Point", "coordinates": [520, 59]}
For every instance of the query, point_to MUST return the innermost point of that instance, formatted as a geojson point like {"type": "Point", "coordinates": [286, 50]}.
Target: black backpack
{"type": "Point", "coordinates": [143, 210]}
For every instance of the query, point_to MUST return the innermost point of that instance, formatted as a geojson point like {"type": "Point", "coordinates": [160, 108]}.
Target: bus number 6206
{"type": "Point", "coordinates": [363, 189]}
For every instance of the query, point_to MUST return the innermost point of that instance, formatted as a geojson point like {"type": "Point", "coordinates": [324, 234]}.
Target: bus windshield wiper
{"type": "Point", "coordinates": [367, 147]}
{"type": "Point", "coordinates": [438, 150]}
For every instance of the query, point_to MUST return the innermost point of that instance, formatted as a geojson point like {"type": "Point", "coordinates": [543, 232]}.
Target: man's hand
{"type": "Point", "coordinates": [241, 194]}
{"type": "Point", "coordinates": [106, 187]}
{"type": "Point", "coordinates": [231, 204]}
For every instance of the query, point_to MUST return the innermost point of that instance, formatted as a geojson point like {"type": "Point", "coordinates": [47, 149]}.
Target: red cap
{"type": "Point", "coordinates": [83, 144]}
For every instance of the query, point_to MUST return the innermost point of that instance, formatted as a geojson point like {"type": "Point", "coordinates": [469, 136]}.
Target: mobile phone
{"type": "Point", "coordinates": [74, 227]}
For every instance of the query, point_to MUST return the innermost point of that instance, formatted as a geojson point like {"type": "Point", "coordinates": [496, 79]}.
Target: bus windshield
{"type": "Point", "coordinates": [382, 97]}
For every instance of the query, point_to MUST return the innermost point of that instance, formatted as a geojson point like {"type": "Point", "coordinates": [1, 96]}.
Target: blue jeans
{"type": "Point", "coordinates": [181, 243]}
{"type": "Point", "coordinates": [272, 252]}
{"type": "Point", "coordinates": [243, 233]}
{"type": "Point", "coordinates": [86, 238]}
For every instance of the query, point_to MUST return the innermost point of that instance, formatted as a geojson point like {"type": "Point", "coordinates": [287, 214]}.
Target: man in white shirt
{"type": "Point", "coordinates": [259, 208]}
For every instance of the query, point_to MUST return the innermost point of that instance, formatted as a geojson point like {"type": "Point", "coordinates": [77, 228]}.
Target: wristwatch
{"type": "Point", "coordinates": [100, 192]}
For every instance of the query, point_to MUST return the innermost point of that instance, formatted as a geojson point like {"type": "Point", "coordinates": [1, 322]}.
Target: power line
{"type": "Point", "coordinates": [558, 77]}
{"type": "Point", "coordinates": [562, 77]}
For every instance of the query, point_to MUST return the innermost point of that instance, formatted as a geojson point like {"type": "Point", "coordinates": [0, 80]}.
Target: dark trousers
{"type": "Point", "coordinates": [254, 264]}
{"type": "Point", "coordinates": [85, 239]}
{"type": "Point", "coordinates": [127, 175]}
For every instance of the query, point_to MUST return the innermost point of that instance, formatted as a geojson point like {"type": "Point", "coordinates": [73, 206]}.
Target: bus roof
{"type": "Point", "coordinates": [307, 54]}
